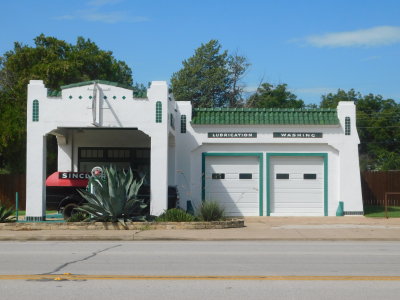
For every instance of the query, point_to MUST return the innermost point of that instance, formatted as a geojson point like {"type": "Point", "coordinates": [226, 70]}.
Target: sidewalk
{"type": "Point", "coordinates": [356, 228]}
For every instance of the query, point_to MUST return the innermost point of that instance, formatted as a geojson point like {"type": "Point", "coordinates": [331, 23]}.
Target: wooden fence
{"type": "Point", "coordinates": [376, 183]}
{"type": "Point", "coordinates": [9, 185]}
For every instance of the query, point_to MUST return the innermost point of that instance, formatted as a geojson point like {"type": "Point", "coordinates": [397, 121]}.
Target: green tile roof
{"type": "Point", "coordinates": [53, 93]}
{"type": "Point", "coordinates": [264, 116]}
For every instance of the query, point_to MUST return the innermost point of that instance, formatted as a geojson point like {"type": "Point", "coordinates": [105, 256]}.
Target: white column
{"type": "Point", "coordinates": [64, 146]}
{"type": "Point", "coordinates": [171, 161]}
{"type": "Point", "coordinates": [36, 153]}
{"type": "Point", "coordinates": [185, 143]}
{"type": "Point", "coordinates": [350, 182]}
{"type": "Point", "coordinates": [36, 177]}
{"type": "Point", "coordinates": [158, 92]}
{"type": "Point", "coordinates": [159, 174]}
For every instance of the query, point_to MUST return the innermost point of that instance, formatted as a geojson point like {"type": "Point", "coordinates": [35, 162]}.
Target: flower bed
{"type": "Point", "coordinates": [236, 223]}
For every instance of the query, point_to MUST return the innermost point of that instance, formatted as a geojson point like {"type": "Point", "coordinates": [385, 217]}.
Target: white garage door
{"type": "Point", "coordinates": [233, 181]}
{"type": "Point", "coordinates": [297, 186]}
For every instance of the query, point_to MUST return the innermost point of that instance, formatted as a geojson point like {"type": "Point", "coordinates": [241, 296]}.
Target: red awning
{"type": "Point", "coordinates": [55, 180]}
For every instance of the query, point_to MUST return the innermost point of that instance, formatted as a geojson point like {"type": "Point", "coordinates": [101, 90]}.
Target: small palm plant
{"type": "Point", "coordinates": [114, 198]}
{"type": "Point", "coordinates": [6, 214]}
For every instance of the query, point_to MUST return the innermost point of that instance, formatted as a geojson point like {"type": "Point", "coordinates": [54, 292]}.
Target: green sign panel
{"type": "Point", "coordinates": [232, 135]}
{"type": "Point", "coordinates": [298, 135]}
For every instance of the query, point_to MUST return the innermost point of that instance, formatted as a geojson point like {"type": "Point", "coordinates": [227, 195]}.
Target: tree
{"type": "Point", "coordinates": [270, 96]}
{"type": "Point", "coordinates": [57, 63]}
{"type": "Point", "coordinates": [210, 78]}
{"type": "Point", "coordinates": [378, 125]}
{"type": "Point", "coordinates": [331, 100]}
{"type": "Point", "coordinates": [139, 90]}
{"type": "Point", "coordinates": [237, 67]}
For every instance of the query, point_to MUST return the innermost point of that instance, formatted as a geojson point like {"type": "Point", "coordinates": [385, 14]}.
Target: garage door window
{"type": "Point", "coordinates": [218, 176]}
{"type": "Point", "coordinates": [309, 176]}
{"type": "Point", "coordinates": [245, 176]}
{"type": "Point", "coordinates": [282, 176]}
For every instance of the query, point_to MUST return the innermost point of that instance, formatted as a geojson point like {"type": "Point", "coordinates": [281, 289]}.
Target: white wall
{"type": "Point", "coordinates": [71, 115]}
{"type": "Point", "coordinates": [343, 170]}
{"type": "Point", "coordinates": [175, 156]}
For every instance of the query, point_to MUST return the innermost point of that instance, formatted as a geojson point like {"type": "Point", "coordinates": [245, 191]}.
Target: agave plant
{"type": "Point", "coordinates": [113, 198]}
{"type": "Point", "coordinates": [6, 214]}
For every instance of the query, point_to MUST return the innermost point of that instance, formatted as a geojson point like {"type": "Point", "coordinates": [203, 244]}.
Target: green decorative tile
{"type": "Point", "coordinates": [53, 93]}
{"type": "Point", "coordinates": [266, 116]}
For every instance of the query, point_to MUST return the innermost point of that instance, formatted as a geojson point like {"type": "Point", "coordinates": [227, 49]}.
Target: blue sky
{"type": "Point", "coordinates": [314, 46]}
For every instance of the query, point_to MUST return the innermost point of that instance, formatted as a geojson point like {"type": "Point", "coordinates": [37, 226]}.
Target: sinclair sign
{"type": "Point", "coordinates": [73, 175]}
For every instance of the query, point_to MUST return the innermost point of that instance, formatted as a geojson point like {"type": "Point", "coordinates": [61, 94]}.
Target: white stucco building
{"type": "Point", "coordinates": [255, 162]}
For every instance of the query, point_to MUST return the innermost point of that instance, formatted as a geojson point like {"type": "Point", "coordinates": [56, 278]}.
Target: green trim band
{"type": "Point", "coordinates": [203, 173]}
{"type": "Point", "coordinates": [325, 158]}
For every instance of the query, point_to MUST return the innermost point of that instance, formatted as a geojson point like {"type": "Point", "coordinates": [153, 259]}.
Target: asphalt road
{"type": "Point", "coordinates": [199, 270]}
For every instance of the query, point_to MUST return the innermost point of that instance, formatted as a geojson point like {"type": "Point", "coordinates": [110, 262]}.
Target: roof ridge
{"type": "Point", "coordinates": [89, 82]}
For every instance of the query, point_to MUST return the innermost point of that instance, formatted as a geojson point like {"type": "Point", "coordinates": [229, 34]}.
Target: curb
{"type": "Point", "coordinates": [140, 226]}
{"type": "Point", "coordinates": [134, 237]}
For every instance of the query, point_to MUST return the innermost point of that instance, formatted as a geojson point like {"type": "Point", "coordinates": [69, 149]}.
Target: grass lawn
{"type": "Point", "coordinates": [48, 212]}
{"type": "Point", "coordinates": [379, 211]}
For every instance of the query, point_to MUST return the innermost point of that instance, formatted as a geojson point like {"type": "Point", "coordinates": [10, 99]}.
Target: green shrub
{"type": "Point", "coordinates": [114, 198]}
{"type": "Point", "coordinates": [211, 211]}
{"type": "Point", "coordinates": [79, 217]}
{"type": "Point", "coordinates": [175, 215]}
{"type": "Point", "coordinates": [6, 214]}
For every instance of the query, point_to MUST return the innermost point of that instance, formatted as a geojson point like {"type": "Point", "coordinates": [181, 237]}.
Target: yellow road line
{"type": "Point", "coordinates": [152, 277]}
